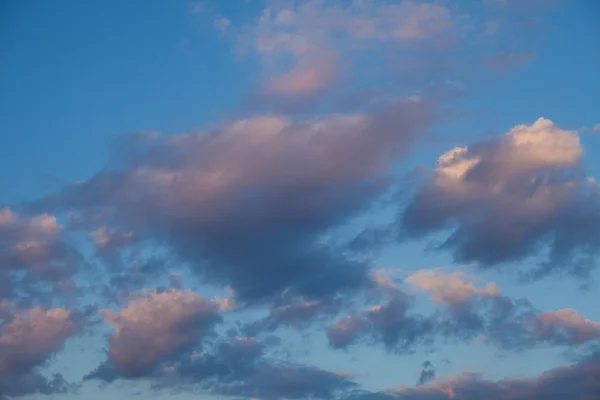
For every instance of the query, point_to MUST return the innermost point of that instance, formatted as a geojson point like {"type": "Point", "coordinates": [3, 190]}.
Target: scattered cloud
{"type": "Point", "coordinates": [301, 44]}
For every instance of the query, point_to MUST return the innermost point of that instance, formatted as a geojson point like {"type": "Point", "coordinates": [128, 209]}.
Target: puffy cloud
{"type": "Point", "coordinates": [506, 198]}
{"type": "Point", "coordinates": [27, 341]}
{"type": "Point", "coordinates": [154, 328]}
{"type": "Point", "coordinates": [35, 245]}
{"type": "Point", "coordinates": [246, 204]}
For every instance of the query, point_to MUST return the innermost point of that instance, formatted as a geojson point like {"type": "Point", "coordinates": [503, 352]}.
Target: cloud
{"type": "Point", "coordinates": [238, 368]}
{"type": "Point", "coordinates": [511, 16]}
{"type": "Point", "coordinates": [468, 312]}
{"type": "Point", "coordinates": [509, 60]}
{"type": "Point", "coordinates": [300, 44]}
{"type": "Point", "coordinates": [505, 199]}
{"type": "Point", "coordinates": [246, 204]}
{"type": "Point", "coordinates": [309, 76]}
{"type": "Point", "coordinates": [465, 313]}
{"type": "Point", "coordinates": [33, 245]}
{"type": "Point", "coordinates": [277, 381]}
{"type": "Point", "coordinates": [107, 241]}
{"type": "Point", "coordinates": [27, 341]}
{"type": "Point", "coordinates": [154, 328]}
{"type": "Point", "coordinates": [452, 289]}
{"type": "Point", "coordinates": [427, 373]}
{"type": "Point", "coordinates": [296, 313]}
{"type": "Point", "coordinates": [345, 331]}
{"type": "Point", "coordinates": [390, 324]}
{"type": "Point", "coordinates": [577, 382]}
{"type": "Point", "coordinates": [12, 386]}
{"type": "Point", "coordinates": [566, 326]}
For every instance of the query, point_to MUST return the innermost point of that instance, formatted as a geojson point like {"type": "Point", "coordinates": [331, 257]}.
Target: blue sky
{"type": "Point", "coordinates": [285, 199]}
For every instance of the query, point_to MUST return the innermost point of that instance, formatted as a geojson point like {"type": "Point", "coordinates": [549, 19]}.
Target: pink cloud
{"type": "Point", "coordinates": [154, 327]}
{"type": "Point", "coordinates": [567, 323]}
{"type": "Point", "coordinates": [451, 289]}
{"type": "Point", "coordinates": [28, 339]}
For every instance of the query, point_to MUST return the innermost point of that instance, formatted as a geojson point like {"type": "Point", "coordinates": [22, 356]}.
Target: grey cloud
{"type": "Point", "coordinates": [427, 373]}
{"type": "Point", "coordinates": [391, 324]}
{"type": "Point", "coordinates": [239, 368]}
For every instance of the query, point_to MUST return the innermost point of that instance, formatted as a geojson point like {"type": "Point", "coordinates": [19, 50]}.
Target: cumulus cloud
{"type": "Point", "coordinates": [508, 198]}
{"type": "Point", "coordinates": [33, 245]}
{"type": "Point", "coordinates": [154, 328]}
{"type": "Point", "coordinates": [27, 341]}
{"type": "Point", "coordinates": [250, 200]}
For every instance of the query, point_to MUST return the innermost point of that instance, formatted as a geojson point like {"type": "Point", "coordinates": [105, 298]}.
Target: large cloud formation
{"type": "Point", "coordinates": [252, 198]}
{"type": "Point", "coordinates": [508, 198]}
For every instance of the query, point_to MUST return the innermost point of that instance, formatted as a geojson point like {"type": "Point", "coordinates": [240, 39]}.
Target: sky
{"type": "Point", "coordinates": [300, 199]}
